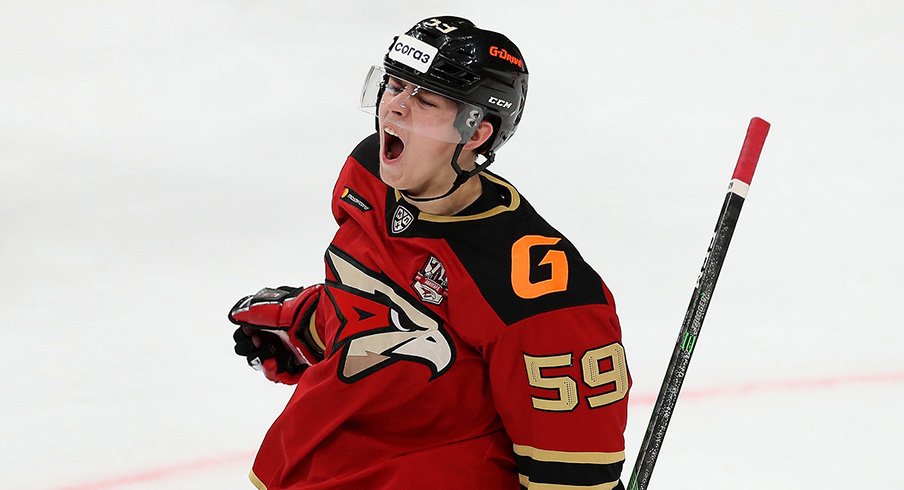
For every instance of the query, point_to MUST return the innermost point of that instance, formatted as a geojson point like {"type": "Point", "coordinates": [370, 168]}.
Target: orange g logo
{"type": "Point", "coordinates": [521, 267]}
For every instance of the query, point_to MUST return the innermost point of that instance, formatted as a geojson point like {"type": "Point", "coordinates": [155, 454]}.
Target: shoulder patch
{"type": "Point", "coordinates": [526, 267]}
{"type": "Point", "coordinates": [522, 265]}
{"type": "Point", "coordinates": [355, 199]}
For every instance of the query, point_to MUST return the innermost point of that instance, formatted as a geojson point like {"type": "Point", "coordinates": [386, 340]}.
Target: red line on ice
{"type": "Point", "coordinates": [164, 472]}
{"type": "Point", "coordinates": [732, 391]}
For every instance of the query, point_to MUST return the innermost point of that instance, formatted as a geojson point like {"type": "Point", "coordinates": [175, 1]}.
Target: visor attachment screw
{"type": "Point", "coordinates": [472, 119]}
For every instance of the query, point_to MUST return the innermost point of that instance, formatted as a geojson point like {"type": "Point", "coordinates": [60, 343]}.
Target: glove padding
{"type": "Point", "coordinates": [266, 353]}
{"type": "Point", "coordinates": [274, 332]}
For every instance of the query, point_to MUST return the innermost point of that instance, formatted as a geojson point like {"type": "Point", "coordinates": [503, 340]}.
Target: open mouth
{"type": "Point", "coordinates": [393, 146]}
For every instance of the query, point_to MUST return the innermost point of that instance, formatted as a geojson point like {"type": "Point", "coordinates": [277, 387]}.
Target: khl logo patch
{"type": "Point", "coordinates": [401, 220]}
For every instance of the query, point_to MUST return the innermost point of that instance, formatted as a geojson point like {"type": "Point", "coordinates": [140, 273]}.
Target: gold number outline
{"type": "Point", "coordinates": [592, 377]}
{"type": "Point", "coordinates": [566, 385]}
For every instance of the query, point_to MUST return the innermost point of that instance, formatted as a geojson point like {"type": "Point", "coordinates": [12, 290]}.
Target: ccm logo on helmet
{"type": "Point", "coordinates": [503, 54]}
{"type": "Point", "coordinates": [500, 103]}
{"type": "Point", "coordinates": [412, 52]}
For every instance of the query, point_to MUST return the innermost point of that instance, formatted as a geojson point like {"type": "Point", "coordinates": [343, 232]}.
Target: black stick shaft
{"type": "Point", "coordinates": [696, 311]}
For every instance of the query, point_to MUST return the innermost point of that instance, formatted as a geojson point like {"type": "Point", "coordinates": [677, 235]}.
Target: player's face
{"type": "Point", "coordinates": [417, 139]}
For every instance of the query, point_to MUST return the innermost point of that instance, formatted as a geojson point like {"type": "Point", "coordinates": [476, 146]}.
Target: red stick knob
{"type": "Point", "coordinates": [750, 152]}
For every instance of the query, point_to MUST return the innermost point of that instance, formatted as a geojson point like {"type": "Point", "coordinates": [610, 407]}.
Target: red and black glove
{"type": "Point", "coordinates": [276, 329]}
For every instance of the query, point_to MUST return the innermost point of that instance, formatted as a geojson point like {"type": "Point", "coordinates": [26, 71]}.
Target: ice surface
{"type": "Point", "coordinates": [153, 153]}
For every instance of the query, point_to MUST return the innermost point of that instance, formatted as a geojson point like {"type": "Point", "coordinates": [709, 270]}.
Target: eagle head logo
{"type": "Point", "coordinates": [381, 324]}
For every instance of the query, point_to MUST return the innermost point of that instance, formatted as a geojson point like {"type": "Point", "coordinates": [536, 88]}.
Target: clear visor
{"type": "Point", "coordinates": [403, 107]}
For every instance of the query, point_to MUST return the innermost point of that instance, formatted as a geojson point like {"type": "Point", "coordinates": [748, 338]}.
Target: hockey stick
{"type": "Point", "coordinates": [696, 311]}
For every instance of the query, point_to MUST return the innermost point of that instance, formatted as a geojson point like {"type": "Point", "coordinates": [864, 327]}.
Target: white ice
{"type": "Point", "coordinates": [160, 159]}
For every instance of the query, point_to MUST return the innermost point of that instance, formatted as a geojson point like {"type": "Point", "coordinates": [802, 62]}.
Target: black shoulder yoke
{"type": "Point", "coordinates": [525, 267]}
{"type": "Point", "coordinates": [367, 153]}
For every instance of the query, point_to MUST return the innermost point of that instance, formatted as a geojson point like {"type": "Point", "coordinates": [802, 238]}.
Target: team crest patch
{"type": "Point", "coordinates": [430, 282]}
{"type": "Point", "coordinates": [381, 325]}
{"type": "Point", "coordinates": [401, 220]}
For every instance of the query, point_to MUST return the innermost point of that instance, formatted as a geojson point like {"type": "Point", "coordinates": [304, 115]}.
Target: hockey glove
{"type": "Point", "coordinates": [275, 331]}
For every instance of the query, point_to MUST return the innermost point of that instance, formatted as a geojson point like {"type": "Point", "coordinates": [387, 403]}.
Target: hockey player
{"type": "Point", "coordinates": [458, 340]}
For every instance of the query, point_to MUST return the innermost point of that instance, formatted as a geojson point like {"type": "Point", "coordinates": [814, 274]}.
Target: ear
{"type": "Point", "coordinates": [480, 136]}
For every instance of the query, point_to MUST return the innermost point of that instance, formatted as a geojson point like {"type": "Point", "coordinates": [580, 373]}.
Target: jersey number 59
{"type": "Point", "coordinates": [603, 366]}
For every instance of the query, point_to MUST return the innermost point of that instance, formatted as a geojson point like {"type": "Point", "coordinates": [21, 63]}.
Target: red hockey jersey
{"type": "Point", "coordinates": [461, 352]}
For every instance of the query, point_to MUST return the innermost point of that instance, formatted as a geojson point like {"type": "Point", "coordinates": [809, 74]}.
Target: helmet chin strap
{"type": "Point", "coordinates": [461, 176]}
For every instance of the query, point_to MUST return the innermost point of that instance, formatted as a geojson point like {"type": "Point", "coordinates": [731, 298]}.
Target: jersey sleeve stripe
{"type": "Point", "coordinates": [526, 484]}
{"type": "Point", "coordinates": [564, 469]}
{"type": "Point", "coordinates": [578, 474]}
{"type": "Point", "coordinates": [257, 481]}
{"type": "Point", "coordinates": [568, 456]}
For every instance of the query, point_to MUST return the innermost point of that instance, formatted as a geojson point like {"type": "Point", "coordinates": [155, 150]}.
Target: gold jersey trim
{"type": "Point", "coordinates": [525, 481]}
{"type": "Point", "coordinates": [312, 328]}
{"type": "Point", "coordinates": [516, 201]}
{"type": "Point", "coordinates": [256, 481]}
{"type": "Point", "coordinates": [568, 456]}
